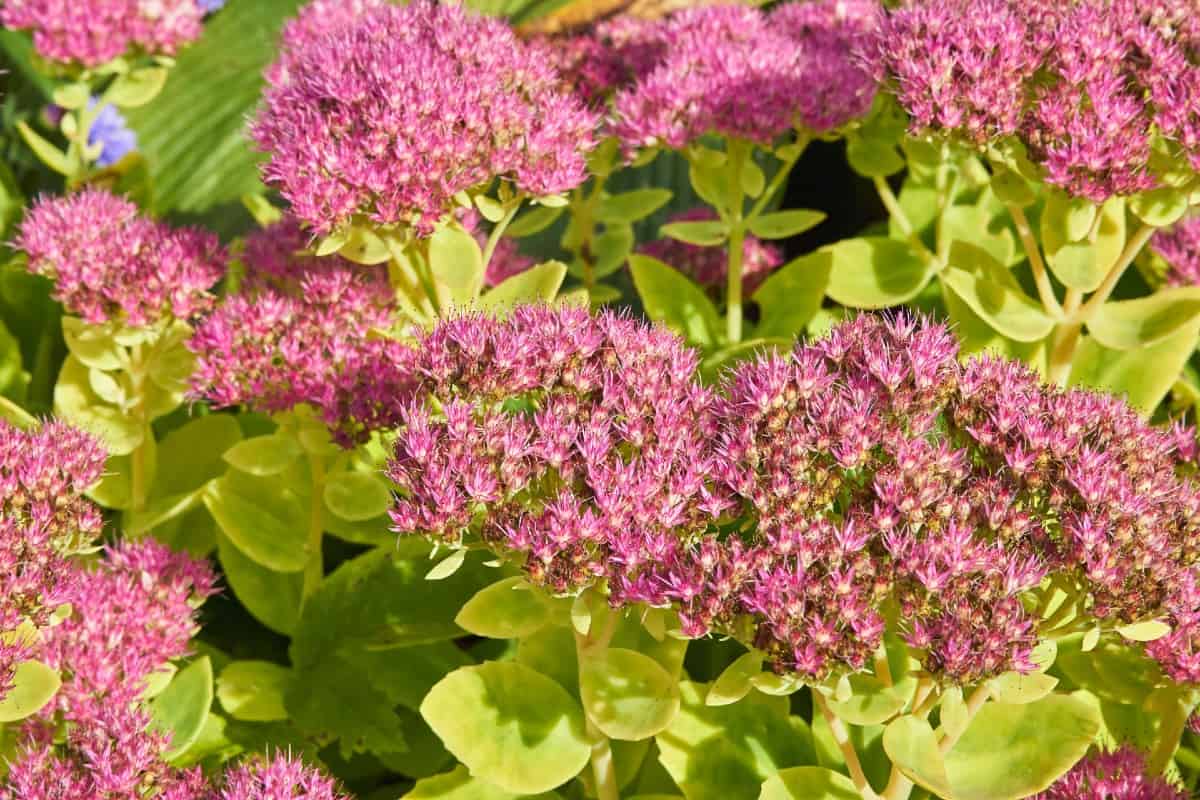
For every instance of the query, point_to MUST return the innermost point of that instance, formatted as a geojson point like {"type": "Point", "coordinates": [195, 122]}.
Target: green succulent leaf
{"type": "Point", "coordinates": [703, 233]}
{"type": "Point", "coordinates": [266, 518]}
{"type": "Point", "coordinates": [334, 698]}
{"type": "Point", "coordinates": [533, 220]}
{"type": "Point", "coordinates": [875, 272]}
{"type": "Point", "coordinates": [34, 684]}
{"type": "Point", "coordinates": [136, 87]}
{"type": "Point", "coordinates": [460, 784]}
{"type": "Point", "coordinates": [1016, 688]}
{"type": "Point", "coordinates": [913, 747]}
{"type": "Point", "coordinates": [456, 263]}
{"type": "Point", "coordinates": [263, 456]}
{"type": "Point", "coordinates": [534, 285]}
{"type": "Point", "coordinates": [631, 206]}
{"type": "Point", "coordinates": [1159, 207]}
{"type": "Point", "coordinates": [669, 297]}
{"type": "Point", "coordinates": [254, 690]}
{"type": "Point", "coordinates": [783, 224]}
{"type": "Point", "coordinates": [1082, 261]}
{"type": "Point", "coordinates": [808, 783]}
{"type": "Point", "coordinates": [1143, 376]}
{"type": "Point", "coordinates": [790, 297]}
{"type": "Point", "coordinates": [511, 726]}
{"type": "Point", "coordinates": [735, 682]}
{"type": "Point", "coordinates": [183, 706]}
{"type": "Point", "coordinates": [357, 496]}
{"type": "Point", "coordinates": [1010, 312]}
{"type": "Point", "coordinates": [508, 609]}
{"type": "Point", "coordinates": [627, 695]}
{"type": "Point", "coordinates": [272, 598]}
{"type": "Point", "coordinates": [1132, 324]}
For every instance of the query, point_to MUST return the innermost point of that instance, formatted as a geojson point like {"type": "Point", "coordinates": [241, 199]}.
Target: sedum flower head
{"type": "Point", "coordinates": [278, 778]}
{"type": "Point", "coordinates": [134, 612]}
{"type": "Point", "coordinates": [304, 331]}
{"type": "Point", "coordinates": [92, 32]}
{"type": "Point", "coordinates": [44, 518]}
{"type": "Point", "coordinates": [109, 262]}
{"type": "Point", "coordinates": [1179, 247]}
{"type": "Point", "coordinates": [708, 266]}
{"type": "Point", "coordinates": [583, 437]}
{"type": "Point", "coordinates": [735, 71]}
{"type": "Point", "coordinates": [388, 113]}
{"type": "Point", "coordinates": [1092, 88]}
{"type": "Point", "coordinates": [1116, 775]}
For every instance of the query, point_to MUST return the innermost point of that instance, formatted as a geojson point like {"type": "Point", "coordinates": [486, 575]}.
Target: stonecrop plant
{"type": "Point", "coordinates": [630, 401]}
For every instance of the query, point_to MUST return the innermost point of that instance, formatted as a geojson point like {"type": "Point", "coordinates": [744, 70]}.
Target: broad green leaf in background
{"type": "Point", "coordinates": [254, 690]}
{"type": "Point", "coordinates": [536, 284]}
{"type": "Point", "coordinates": [509, 725]}
{"type": "Point", "coordinates": [1142, 376]}
{"type": "Point", "coordinates": [357, 496]}
{"type": "Point", "coordinates": [273, 598]}
{"type": "Point", "coordinates": [333, 697]}
{"type": "Point", "coordinates": [461, 785]}
{"type": "Point", "coordinates": [193, 134]}
{"type": "Point", "coordinates": [632, 206]}
{"type": "Point", "coordinates": [1130, 324]}
{"type": "Point", "coordinates": [266, 518]}
{"type": "Point", "coordinates": [809, 783]}
{"type": "Point", "coordinates": [263, 456]}
{"type": "Point", "coordinates": [875, 272]}
{"type": "Point", "coordinates": [722, 752]}
{"type": "Point", "coordinates": [183, 706]}
{"type": "Point", "coordinates": [1078, 261]}
{"type": "Point", "coordinates": [508, 609]}
{"type": "Point", "coordinates": [790, 297]}
{"type": "Point", "coordinates": [1009, 311]}
{"type": "Point", "coordinates": [670, 298]}
{"type": "Point", "coordinates": [784, 224]}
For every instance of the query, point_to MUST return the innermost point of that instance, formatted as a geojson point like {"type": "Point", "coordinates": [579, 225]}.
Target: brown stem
{"type": "Point", "coordinates": [842, 736]}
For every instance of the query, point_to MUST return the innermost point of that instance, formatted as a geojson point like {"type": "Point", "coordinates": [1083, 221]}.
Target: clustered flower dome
{"type": "Point", "coordinates": [304, 331]}
{"type": "Point", "coordinates": [109, 262]}
{"type": "Point", "coordinates": [92, 32]}
{"type": "Point", "coordinates": [388, 113]}
{"type": "Point", "coordinates": [865, 467]}
{"type": "Point", "coordinates": [740, 72]}
{"type": "Point", "coordinates": [1179, 247]}
{"type": "Point", "coordinates": [709, 266]}
{"type": "Point", "coordinates": [1119, 774]}
{"type": "Point", "coordinates": [1090, 87]}
{"type": "Point", "coordinates": [44, 519]}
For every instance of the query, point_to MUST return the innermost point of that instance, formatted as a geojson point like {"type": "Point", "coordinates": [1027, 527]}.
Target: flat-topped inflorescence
{"type": "Point", "coordinates": [1119, 774]}
{"type": "Point", "coordinates": [278, 778]}
{"type": "Point", "coordinates": [109, 262]}
{"type": "Point", "coordinates": [386, 114]}
{"type": "Point", "coordinates": [44, 519]}
{"type": "Point", "coordinates": [732, 70]}
{"type": "Point", "coordinates": [92, 32]}
{"type": "Point", "coordinates": [1097, 90]}
{"type": "Point", "coordinates": [809, 494]}
{"type": "Point", "coordinates": [304, 331]}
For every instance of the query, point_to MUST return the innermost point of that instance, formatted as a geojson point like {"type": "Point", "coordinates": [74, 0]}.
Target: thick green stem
{"type": "Point", "coordinates": [780, 177]}
{"type": "Point", "coordinates": [585, 224]}
{"type": "Point", "coordinates": [733, 292]}
{"type": "Point", "coordinates": [604, 770]}
{"type": "Point", "coordinates": [497, 232]}
{"type": "Point", "coordinates": [896, 212]}
{"type": "Point", "coordinates": [1034, 253]}
{"type": "Point", "coordinates": [1170, 731]}
{"type": "Point", "coordinates": [314, 568]}
{"type": "Point", "coordinates": [842, 737]}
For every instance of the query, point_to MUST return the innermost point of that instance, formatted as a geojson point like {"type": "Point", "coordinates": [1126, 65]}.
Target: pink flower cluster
{"type": "Point", "coordinates": [93, 32]}
{"type": "Point", "coordinates": [735, 71]}
{"type": "Point", "coordinates": [133, 613]}
{"type": "Point", "coordinates": [280, 778]}
{"type": "Point", "coordinates": [109, 262]}
{"type": "Point", "coordinates": [1088, 86]}
{"type": "Point", "coordinates": [1179, 247]}
{"type": "Point", "coordinates": [809, 488]}
{"type": "Point", "coordinates": [1117, 775]}
{"type": "Point", "coordinates": [388, 113]}
{"type": "Point", "coordinates": [304, 331]}
{"type": "Point", "coordinates": [44, 519]}
{"type": "Point", "coordinates": [709, 266]}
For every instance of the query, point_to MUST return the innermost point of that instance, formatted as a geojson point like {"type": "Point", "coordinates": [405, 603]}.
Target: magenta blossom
{"type": "Point", "coordinates": [304, 331]}
{"type": "Point", "coordinates": [708, 266]}
{"type": "Point", "coordinates": [1179, 247]}
{"type": "Point", "coordinates": [93, 32]}
{"type": "Point", "coordinates": [736, 71]}
{"type": "Point", "coordinates": [134, 612]}
{"type": "Point", "coordinates": [1117, 775]}
{"type": "Point", "coordinates": [278, 778]}
{"type": "Point", "coordinates": [390, 114]}
{"type": "Point", "coordinates": [44, 519]}
{"type": "Point", "coordinates": [108, 262]}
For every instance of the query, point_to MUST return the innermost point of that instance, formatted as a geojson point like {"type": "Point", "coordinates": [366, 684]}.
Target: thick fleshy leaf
{"type": "Point", "coordinates": [334, 698]}
{"type": "Point", "coordinates": [272, 598]}
{"type": "Point", "coordinates": [871, 702]}
{"type": "Point", "coordinates": [983, 226]}
{"type": "Point", "coordinates": [534, 285]}
{"type": "Point", "coordinates": [266, 518]}
{"type": "Point", "coordinates": [809, 783]}
{"type": "Point", "coordinates": [1013, 751]}
{"type": "Point", "coordinates": [790, 297]}
{"type": "Point", "coordinates": [1011, 313]}
{"type": "Point", "coordinates": [1142, 376]}
{"type": "Point", "coordinates": [34, 685]}
{"type": "Point", "coordinates": [1016, 688]}
{"type": "Point", "coordinates": [508, 609]}
{"type": "Point", "coordinates": [736, 681]}
{"type": "Point", "coordinates": [627, 694]}
{"type": "Point", "coordinates": [631, 206]}
{"type": "Point", "coordinates": [669, 297]}
{"type": "Point", "coordinates": [1130, 324]}
{"type": "Point", "coordinates": [509, 725]}
{"type": "Point", "coordinates": [265, 455]}
{"type": "Point", "coordinates": [722, 752]}
{"type": "Point", "coordinates": [462, 785]}
{"type": "Point", "coordinates": [183, 706]}
{"type": "Point", "coordinates": [783, 224]}
{"type": "Point", "coordinates": [705, 233]}
{"type": "Point", "coordinates": [254, 690]}
{"type": "Point", "coordinates": [1082, 263]}
{"type": "Point", "coordinates": [913, 747]}
{"type": "Point", "coordinates": [357, 496]}
{"type": "Point", "coordinates": [875, 272]}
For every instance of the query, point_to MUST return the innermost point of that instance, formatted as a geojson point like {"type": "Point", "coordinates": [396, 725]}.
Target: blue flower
{"type": "Point", "coordinates": [110, 131]}
{"type": "Point", "coordinates": [210, 6]}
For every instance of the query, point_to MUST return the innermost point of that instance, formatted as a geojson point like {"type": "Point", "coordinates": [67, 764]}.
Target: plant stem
{"type": "Point", "coordinates": [974, 703]}
{"type": "Point", "coordinates": [314, 568]}
{"type": "Point", "coordinates": [778, 179]}
{"type": "Point", "coordinates": [498, 231]}
{"type": "Point", "coordinates": [737, 238]}
{"type": "Point", "coordinates": [1170, 731]}
{"type": "Point", "coordinates": [842, 736]}
{"type": "Point", "coordinates": [883, 670]}
{"type": "Point", "coordinates": [604, 769]}
{"type": "Point", "coordinates": [1036, 262]}
{"type": "Point", "coordinates": [1132, 247]}
{"type": "Point", "coordinates": [585, 223]}
{"type": "Point", "coordinates": [896, 212]}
